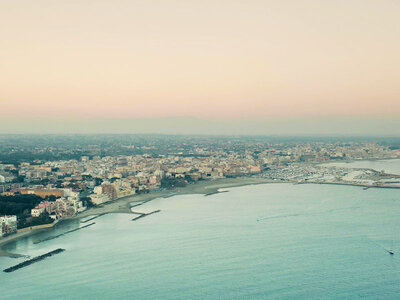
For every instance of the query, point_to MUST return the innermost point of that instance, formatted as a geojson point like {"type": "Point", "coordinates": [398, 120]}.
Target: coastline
{"type": "Point", "coordinates": [123, 204]}
{"type": "Point", "coordinates": [210, 187]}
{"type": "Point", "coordinates": [207, 188]}
{"type": "Point", "coordinates": [365, 186]}
{"type": "Point", "coordinates": [24, 232]}
{"type": "Point", "coordinates": [348, 161]}
{"type": "Point", "coordinates": [6, 240]}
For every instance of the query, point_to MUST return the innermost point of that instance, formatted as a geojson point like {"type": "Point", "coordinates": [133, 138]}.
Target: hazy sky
{"type": "Point", "coordinates": [216, 60]}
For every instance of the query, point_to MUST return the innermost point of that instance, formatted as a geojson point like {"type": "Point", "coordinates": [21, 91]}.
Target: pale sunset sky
{"type": "Point", "coordinates": [244, 66]}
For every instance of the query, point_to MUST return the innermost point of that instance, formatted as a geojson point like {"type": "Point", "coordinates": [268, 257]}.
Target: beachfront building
{"type": "Point", "coordinates": [37, 211]}
{"type": "Point", "coordinates": [8, 225]}
{"type": "Point", "coordinates": [47, 206]}
{"type": "Point", "coordinates": [99, 198]}
{"type": "Point", "coordinates": [60, 207]}
{"type": "Point", "coordinates": [98, 190]}
{"type": "Point", "coordinates": [73, 199]}
{"type": "Point", "coordinates": [41, 208]}
{"type": "Point", "coordinates": [110, 190]}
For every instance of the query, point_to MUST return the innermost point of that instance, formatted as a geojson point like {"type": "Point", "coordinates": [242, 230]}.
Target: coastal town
{"type": "Point", "coordinates": [43, 191]}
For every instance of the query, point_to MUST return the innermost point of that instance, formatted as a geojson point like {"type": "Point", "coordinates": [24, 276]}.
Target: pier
{"type": "Point", "coordinates": [33, 260]}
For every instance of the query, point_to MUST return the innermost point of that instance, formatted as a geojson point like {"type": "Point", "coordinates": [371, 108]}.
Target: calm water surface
{"type": "Point", "coordinates": [272, 241]}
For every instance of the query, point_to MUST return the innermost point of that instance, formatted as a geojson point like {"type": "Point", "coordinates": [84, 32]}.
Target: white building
{"type": "Point", "coordinates": [37, 211]}
{"type": "Point", "coordinates": [9, 224]}
{"type": "Point", "coordinates": [99, 199]}
{"type": "Point", "coordinates": [72, 198]}
{"type": "Point", "coordinates": [98, 190]}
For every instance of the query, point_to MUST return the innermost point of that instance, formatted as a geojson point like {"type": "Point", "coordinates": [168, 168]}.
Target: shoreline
{"type": "Point", "coordinates": [12, 238]}
{"type": "Point", "coordinates": [206, 187]}
{"type": "Point", "coordinates": [123, 204]}
{"type": "Point", "coordinates": [348, 161]}
{"type": "Point", "coordinates": [23, 232]}
{"type": "Point", "coordinates": [366, 186]}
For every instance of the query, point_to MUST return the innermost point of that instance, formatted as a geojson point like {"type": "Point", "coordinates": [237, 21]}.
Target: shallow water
{"type": "Point", "coordinates": [274, 241]}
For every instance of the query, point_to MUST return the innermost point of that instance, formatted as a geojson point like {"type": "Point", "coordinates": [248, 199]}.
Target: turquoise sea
{"type": "Point", "coordinates": [271, 241]}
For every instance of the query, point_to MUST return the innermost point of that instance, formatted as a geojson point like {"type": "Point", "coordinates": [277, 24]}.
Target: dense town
{"type": "Point", "coordinates": [43, 191]}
